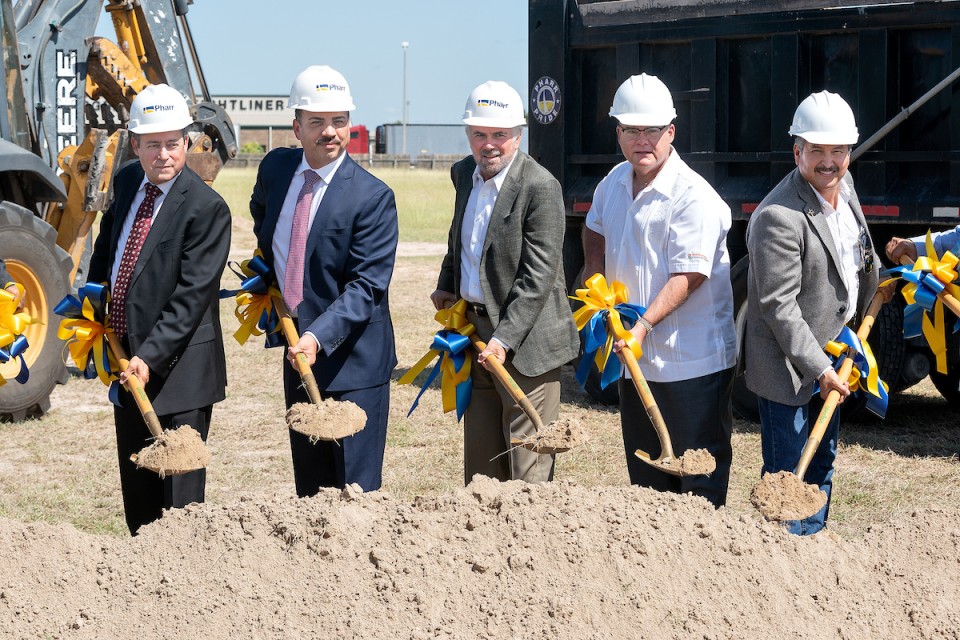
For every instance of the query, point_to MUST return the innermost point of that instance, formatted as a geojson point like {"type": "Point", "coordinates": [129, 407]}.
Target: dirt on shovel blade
{"type": "Point", "coordinates": [329, 420]}
{"type": "Point", "coordinates": [175, 451]}
{"type": "Point", "coordinates": [783, 496]}
{"type": "Point", "coordinates": [695, 462]}
{"type": "Point", "coordinates": [558, 436]}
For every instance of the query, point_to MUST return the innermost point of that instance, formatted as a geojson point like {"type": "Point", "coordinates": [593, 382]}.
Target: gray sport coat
{"type": "Point", "coordinates": [521, 269]}
{"type": "Point", "coordinates": [796, 295]}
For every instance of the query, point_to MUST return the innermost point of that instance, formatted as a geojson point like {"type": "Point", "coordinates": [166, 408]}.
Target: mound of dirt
{"type": "Point", "coordinates": [490, 561]}
{"type": "Point", "coordinates": [329, 420]}
{"type": "Point", "coordinates": [175, 451]}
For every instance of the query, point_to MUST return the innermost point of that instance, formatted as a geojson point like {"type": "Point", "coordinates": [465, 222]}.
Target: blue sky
{"type": "Point", "coordinates": [258, 47]}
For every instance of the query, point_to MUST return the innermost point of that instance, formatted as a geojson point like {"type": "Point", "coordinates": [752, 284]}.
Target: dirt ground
{"type": "Point", "coordinates": [586, 556]}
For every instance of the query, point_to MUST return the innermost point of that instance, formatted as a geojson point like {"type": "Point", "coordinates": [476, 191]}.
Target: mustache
{"type": "Point", "coordinates": [323, 140]}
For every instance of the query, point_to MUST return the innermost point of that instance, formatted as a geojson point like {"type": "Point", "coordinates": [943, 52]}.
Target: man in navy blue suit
{"type": "Point", "coordinates": [329, 231]}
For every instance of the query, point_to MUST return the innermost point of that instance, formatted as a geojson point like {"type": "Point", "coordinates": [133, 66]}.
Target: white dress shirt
{"type": "Point", "coordinates": [845, 231]}
{"type": "Point", "coordinates": [473, 232]}
{"type": "Point", "coordinates": [677, 224]}
{"type": "Point", "coordinates": [281, 235]}
{"type": "Point", "coordinates": [131, 217]}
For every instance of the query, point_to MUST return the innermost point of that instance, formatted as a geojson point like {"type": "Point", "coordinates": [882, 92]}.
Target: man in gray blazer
{"type": "Point", "coordinates": [504, 257]}
{"type": "Point", "coordinates": [813, 269]}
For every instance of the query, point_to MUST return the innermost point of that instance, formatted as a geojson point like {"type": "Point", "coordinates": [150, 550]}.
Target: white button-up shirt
{"type": "Point", "coordinates": [131, 217]}
{"type": "Point", "coordinates": [281, 235]}
{"type": "Point", "coordinates": [677, 224]}
{"type": "Point", "coordinates": [473, 231]}
{"type": "Point", "coordinates": [845, 231]}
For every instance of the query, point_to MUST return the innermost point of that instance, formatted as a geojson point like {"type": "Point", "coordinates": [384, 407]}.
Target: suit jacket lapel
{"type": "Point", "coordinates": [282, 178]}
{"type": "Point", "coordinates": [162, 221]}
{"type": "Point", "coordinates": [505, 200]}
{"type": "Point", "coordinates": [339, 183]}
{"type": "Point", "coordinates": [121, 210]}
{"type": "Point", "coordinates": [814, 213]}
{"type": "Point", "coordinates": [462, 188]}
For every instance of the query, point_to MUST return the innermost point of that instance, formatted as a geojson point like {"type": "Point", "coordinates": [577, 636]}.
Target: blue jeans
{"type": "Point", "coordinates": [783, 432]}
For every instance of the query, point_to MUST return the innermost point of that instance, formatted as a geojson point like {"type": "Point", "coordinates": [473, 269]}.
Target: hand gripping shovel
{"type": "Point", "coordinates": [321, 419]}
{"type": "Point", "coordinates": [667, 462]}
{"type": "Point", "coordinates": [173, 451]}
{"type": "Point", "coordinates": [799, 500]}
{"type": "Point", "coordinates": [503, 376]}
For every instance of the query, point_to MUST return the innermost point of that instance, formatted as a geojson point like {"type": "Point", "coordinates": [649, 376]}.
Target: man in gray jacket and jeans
{"type": "Point", "coordinates": [813, 269]}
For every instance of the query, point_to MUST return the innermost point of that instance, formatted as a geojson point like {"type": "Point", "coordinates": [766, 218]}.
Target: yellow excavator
{"type": "Point", "coordinates": [63, 111]}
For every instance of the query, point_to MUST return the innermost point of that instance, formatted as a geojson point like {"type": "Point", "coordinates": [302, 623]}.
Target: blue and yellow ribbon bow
{"type": "Point", "coordinates": [84, 327]}
{"type": "Point", "coordinates": [601, 301]}
{"type": "Point", "coordinates": [12, 325]}
{"type": "Point", "coordinates": [255, 309]}
{"type": "Point", "coordinates": [450, 346]}
{"type": "Point", "coordinates": [930, 275]}
{"type": "Point", "coordinates": [865, 375]}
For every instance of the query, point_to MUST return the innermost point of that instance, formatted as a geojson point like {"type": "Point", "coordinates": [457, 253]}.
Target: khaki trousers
{"type": "Point", "coordinates": [493, 418]}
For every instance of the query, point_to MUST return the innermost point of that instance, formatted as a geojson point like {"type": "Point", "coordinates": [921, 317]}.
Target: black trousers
{"type": "Point", "coordinates": [145, 494]}
{"type": "Point", "coordinates": [698, 414]}
{"type": "Point", "coordinates": [355, 459]}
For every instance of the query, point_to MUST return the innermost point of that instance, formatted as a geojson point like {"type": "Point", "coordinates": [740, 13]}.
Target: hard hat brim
{"type": "Point", "coordinates": [496, 123]}
{"type": "Point", "coordinates": [160, 127]}
{"type": "Point", "coordinates": [661, 119]}
{"type": "Point", "coordinates": [831, 138]}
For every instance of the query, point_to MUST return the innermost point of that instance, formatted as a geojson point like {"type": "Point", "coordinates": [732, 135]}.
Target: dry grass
{"type": "Point", "coordinates": [62, 468]}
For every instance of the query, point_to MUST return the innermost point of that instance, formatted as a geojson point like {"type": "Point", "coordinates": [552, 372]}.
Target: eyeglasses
{"type": "Point", "coordinates": [650, 133]}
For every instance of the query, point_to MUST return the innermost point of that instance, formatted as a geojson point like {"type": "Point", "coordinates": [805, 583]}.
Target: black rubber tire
{"type": "Point", "coordinates": [28, 244]}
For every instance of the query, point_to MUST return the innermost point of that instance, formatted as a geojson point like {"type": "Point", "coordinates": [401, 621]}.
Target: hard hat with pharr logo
{"type": "Point", "coordinates": [158, 108]}
{"type": "Point", "coordinates": [825, 118]}
{"type": "Point", "coordinates": [494, 104]}
{"type": "Point", "coordinates": [320, 88]}
{"type": "Point", "coordinates": [643, 101]}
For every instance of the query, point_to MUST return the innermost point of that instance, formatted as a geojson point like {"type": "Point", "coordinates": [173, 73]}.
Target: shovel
{"type": "Point", "coordinates": [503, 376]}
{"type": "Point", "coordinates": [316, 419]}
{"type": "Point", "coordinates": [784, 495]}
{"type": "Point", "coordinates": [667, 462]}
{"type": "Point", "coordinates": [150, 417]}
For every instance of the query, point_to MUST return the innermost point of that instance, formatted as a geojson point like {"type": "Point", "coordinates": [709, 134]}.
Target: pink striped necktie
{"type": "Point", "coordinates": [131, 251]}
{"type": "Point", "coordinates": [293, 278]}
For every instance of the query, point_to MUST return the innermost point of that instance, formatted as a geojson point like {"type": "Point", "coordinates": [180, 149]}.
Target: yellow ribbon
{"type": "Point", "coordinates": [598, 296]}
{"type": "Point", "coordinates": [86, 336]}
{"type": "Point", "coordinates": [944, 269]}
{"type": "Point", "coordinates": [13, 324]}
{"type": "Point", "coordinates": [837, 349]}
{"type": "Point", "coordinates": [453, 319]}
{"type": "Point", "coordinates": [252, 306]}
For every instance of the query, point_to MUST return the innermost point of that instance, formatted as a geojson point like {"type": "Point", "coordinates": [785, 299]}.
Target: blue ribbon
{"type": "Point", "coordinates": [875, 404]}
{"type": "Point", "coordinates": [594, 335]}
{"type": "Point", "coordinates": [15, 350]}
{"type": "Point", "coordinates": [453, 348]}
{"type": "Point", "coordinates": [257, 284]}
{"type": "Point", "coordinates": [925, 297]}
{"type": "Point", "coordinates": [94, 297]}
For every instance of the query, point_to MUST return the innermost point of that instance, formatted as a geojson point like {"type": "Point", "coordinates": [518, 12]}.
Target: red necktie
{"type": "Point", "coordinates": [293, 277]}
{"type": "Point", "coordinates": [138, 234]}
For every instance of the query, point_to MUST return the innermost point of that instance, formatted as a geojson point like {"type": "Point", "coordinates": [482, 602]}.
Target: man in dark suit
{"type": "Point", "coordinates": [812, 270]}
{"type": "Point", "coordinates": [504, 257]}
{"type": "Point", "coordinates": [162, 247]}
{"type": "Point", "coordinates": [328, 229]}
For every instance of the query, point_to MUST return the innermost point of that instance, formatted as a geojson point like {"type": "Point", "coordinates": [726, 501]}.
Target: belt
{"type": "Point", "coordinates": [479, 309]}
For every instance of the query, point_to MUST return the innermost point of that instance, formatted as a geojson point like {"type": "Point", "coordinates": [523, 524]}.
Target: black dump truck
{"type": "Point", "coordinates": [737, 70]}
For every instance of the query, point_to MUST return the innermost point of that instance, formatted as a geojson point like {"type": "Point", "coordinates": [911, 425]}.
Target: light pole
{"type": "Point", "coordinates": [404, 45]}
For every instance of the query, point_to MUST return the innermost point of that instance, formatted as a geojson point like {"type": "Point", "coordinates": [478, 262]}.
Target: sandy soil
{"type": "Point", "coordinates": [488, 561]}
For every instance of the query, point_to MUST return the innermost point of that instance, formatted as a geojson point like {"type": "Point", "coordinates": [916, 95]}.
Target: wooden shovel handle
{"type": "Point", "coordinates": [136, 387]}
{"type": "Point", "coordinates": [833, 398]}
{"type": "Point", "coordinates": [945, 296]}
{"type": "Point", "coordinates": [500, 373]}
{"type": "Point", "coordinates": [649, 403]}
{"type": "Point", "coordinates": [303, 367]}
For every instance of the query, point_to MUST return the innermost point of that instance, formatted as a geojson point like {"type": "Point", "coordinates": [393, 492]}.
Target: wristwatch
{"type": "Point", "coordinates": [645, 324]}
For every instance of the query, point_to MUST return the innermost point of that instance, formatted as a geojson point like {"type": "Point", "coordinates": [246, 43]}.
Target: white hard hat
{"type": "Point", "coordinates": [494, 104]}
{"type": "Point", "coordinates": [643, 101]}
{"type": "Point", "coordinates": [158, 108]}
{"type": "Point", "coordinates": [320, 88]}
{"type": "Point", "coordinates": [825, 118]}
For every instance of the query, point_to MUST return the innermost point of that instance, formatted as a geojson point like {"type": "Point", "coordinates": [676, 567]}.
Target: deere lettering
{"type": "Point", "coordinates": [66, 99]}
